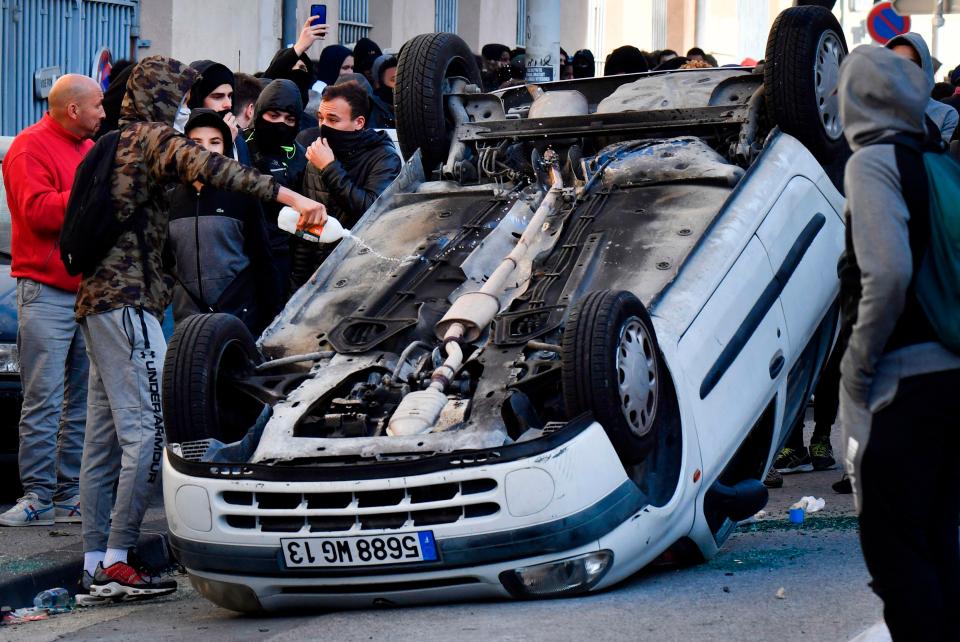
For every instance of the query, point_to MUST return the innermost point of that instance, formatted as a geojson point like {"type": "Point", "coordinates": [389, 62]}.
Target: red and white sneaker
{"type": "Point", "coordinates": [122, 581]}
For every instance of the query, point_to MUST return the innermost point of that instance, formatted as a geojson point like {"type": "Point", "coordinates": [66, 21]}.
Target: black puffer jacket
{"type": "Point", "coordinates": [348, 187]}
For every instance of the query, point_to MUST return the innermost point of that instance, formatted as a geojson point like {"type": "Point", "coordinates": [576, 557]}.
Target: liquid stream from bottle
{"type": "Point", "coordinates": [392, 259]}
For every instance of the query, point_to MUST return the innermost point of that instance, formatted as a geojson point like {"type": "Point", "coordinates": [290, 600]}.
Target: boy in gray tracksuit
{"type": "Point", "coordinates": [899, 405]}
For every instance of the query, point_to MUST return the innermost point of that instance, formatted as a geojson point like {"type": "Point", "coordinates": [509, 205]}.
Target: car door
{"type": "Point", "coordinates": [733, 355]}
{"type": "Point", "coordinates": [803, 236]}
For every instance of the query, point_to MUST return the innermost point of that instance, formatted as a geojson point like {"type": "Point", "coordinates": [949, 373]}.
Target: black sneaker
{"type": "Point", "coordinates": [773, 479]}
{"type": "Point", "coordinates": [843, 487]}
{"type": "Point", "coordinates": [120, 580]}
{"type": "Point", "coordinates": [821, 456]}
{"type": "Point", "coordinates": [793, 460]}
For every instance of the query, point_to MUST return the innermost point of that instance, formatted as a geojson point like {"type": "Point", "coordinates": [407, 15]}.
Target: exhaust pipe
{"type": "Point", "coordinates": [466, 320]}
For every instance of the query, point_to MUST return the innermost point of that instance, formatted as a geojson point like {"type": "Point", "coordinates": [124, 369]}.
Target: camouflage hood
{"type": "Point", "coordinates": [155, 90]}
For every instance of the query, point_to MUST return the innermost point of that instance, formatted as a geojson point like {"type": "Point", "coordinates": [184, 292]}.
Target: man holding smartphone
{"type": "Point", "coordinates": [293, 63]}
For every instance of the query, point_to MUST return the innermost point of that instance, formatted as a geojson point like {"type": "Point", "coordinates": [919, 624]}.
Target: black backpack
{"type": "Point", "coordinates": [91, 227]}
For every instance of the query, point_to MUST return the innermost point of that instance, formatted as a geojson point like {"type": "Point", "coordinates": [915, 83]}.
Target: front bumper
{"type": "Point", "coordinates": [486, 519]}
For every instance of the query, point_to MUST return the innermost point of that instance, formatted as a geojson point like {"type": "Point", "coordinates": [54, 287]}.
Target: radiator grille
{"type": "Point", "coordinates": [358, 511]}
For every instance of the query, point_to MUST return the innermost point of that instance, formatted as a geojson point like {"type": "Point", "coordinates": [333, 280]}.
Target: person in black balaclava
{"type": "Point", "coordinates": [275, 152]}
{"type": "Point", "coordinates": [364, 53]}
{"type": "Point", "coordinates": [293, 64]}
{"type": "Point", "coordinates": [583, 64]}
{"type": "Point", "coordinates": [214, 91]}
{"type": "Point", "coordinates": [350, 166]}
{"type": "Point", "coordinates": [333, 62]}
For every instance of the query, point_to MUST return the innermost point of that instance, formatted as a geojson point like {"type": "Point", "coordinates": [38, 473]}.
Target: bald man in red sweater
{"type": "Point", "coordinates": [38, 173]}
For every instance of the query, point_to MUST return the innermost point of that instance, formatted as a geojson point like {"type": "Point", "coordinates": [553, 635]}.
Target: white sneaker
{"type": "Point", "coordinates": [67, 512]}
{"type": "Point", "coordinates": [29, 511]}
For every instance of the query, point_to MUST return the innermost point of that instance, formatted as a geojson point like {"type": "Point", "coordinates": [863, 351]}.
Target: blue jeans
{"type": "Point", "coordinates": [53, 372]}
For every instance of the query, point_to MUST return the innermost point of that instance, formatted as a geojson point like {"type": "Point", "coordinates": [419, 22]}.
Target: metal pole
{"type": "Point", "coordinates": [543, 41]}
{"type": "Point", "coordinates": [937, 23]}
{"type": "Point", "coordinates": [700, 26]}
{"type": "Point", "coordinates": [290, 31]}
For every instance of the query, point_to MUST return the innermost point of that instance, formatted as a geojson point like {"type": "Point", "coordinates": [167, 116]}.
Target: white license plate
{"type": "Point", "coordinates": [363, 550]}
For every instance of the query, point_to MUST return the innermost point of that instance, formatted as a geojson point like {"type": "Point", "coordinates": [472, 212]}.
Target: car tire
{"type": "Point", "coordinates": [801, 72]}
{"type": "Point", "coordinates": [611, 367]}
{"type": "Point", "coordinates": [205, 353]}
{"type": "Point", "coordinates": [425, 63]}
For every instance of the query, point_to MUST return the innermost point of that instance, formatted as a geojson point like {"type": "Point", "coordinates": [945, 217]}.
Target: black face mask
{"type": "Point", "coordinates": [223, 113]}
{"type": "Point", "coordinates": [273, 136]}
{"type": "Point", "coordinates": [341, 142]}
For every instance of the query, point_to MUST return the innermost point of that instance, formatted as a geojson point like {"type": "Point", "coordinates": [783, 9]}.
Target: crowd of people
{"type": "Point", "coordinates": [202, 160]}
{"type": "Point", "coordinates": [205, 158]}
{"type": "Point", "coordinates": [503, 67]}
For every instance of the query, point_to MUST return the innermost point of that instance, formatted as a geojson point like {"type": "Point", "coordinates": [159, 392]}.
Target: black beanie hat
{"type": "Point", "coordinates": [203, 117]}
{"type": "Point", "coordinates": [212, 75]}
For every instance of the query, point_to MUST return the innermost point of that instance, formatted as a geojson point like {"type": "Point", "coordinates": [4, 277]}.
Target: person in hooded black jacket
{"type": "Point", "coordinates": [364, 53]}
{"type": "Point", "coordinates": [349, 168]}
{"type": "Point", "coordinates": [219, 242]}
{"type": "Point", "coordinates": [293, 64]}
{"type": "Point", "coordinates": [275, 152]}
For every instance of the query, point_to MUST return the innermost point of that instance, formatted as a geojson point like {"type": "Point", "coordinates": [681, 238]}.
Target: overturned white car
{"type": "Point", "coordinates": [612, 298]}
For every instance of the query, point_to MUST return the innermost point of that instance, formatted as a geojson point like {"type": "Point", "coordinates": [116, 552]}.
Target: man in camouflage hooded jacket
{"type": "Point", "coordinates": [119, 307]}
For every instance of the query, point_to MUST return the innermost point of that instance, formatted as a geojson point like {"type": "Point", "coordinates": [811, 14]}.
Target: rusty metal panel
{"type": "Point", "coordinates": [67, 34]}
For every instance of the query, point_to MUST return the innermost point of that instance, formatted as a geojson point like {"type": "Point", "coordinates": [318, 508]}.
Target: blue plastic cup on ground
{"type": "Point", "coordinates": [796, 515]}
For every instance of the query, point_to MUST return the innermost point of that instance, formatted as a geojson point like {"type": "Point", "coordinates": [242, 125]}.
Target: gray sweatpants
{"type": "Point", "coordinates": [53, 372]}
{"type": "Point", "coordinates": [124, 439]}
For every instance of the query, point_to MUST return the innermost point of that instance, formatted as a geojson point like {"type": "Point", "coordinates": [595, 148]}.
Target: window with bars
{"type": "Point", "coordinates": [521, 23]}
{"type": "Point", "coordinates": [446, 20]}
{"type": "Point", "coordinates": [354, 21]}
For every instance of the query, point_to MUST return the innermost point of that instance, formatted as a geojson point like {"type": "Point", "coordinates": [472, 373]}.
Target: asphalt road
{"type": "Point", "coordinates": [733, 597]}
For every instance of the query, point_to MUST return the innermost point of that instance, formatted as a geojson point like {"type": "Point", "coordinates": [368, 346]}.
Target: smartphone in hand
{"type": "Point", "coordinates": [320, 11]}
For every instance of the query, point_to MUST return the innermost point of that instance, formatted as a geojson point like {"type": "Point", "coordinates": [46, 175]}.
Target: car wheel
{"type": "Point", "coordinates": [611, 367]}
{"type": "Point", "coordinates": [207, 353]}
{"type": "Point", "coordinates": [426, 64]}
{"type": "Point", "coordinates": [801, 73]}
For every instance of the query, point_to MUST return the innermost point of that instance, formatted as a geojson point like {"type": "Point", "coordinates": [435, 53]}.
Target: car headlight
{"type": "Point", "coordinates": [9, 358]}
{"type": "Point", "coordinates": [563, 577]}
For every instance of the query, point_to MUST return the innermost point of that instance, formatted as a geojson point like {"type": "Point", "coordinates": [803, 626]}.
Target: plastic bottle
{"type": "Point", "coordinates": [55, 598]}
{"type": "Point", "coordinates": [332, 231]}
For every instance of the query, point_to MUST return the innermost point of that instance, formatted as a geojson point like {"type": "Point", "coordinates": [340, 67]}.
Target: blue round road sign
{"type": "Point", "coordinates": [884, 24]}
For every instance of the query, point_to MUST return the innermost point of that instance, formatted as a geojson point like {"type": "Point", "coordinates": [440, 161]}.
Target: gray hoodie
{"type": "Point", "coordinates": [943, 115]}
{"type": "Point", "coordinates": [881, 94]}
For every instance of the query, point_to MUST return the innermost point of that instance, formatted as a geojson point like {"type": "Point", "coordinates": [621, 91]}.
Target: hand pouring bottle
{"type": "Point", "coordinates": [329, 232]}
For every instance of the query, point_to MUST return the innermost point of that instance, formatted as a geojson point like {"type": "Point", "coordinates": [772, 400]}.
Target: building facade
{"type": "Point", "coordinates": [43, 38]}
